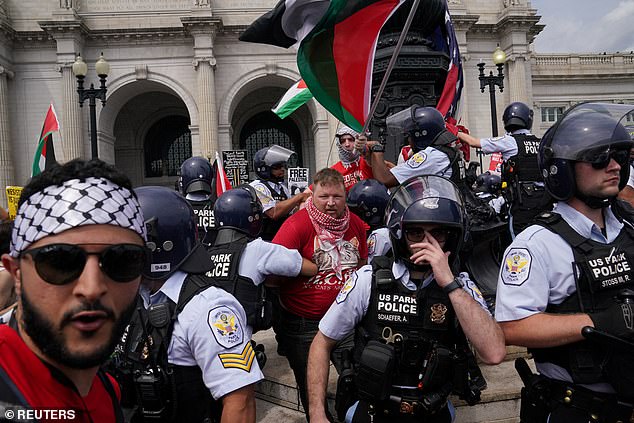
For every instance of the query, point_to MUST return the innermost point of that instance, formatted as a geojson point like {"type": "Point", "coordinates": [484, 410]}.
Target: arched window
{"type": "Point", "coordinates": [266, 129]}
{"type": "Point", "coordinates": [167, 145]}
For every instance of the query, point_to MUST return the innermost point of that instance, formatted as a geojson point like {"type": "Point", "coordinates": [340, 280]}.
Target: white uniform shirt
{"type": "Point", "coordinates": [537, 270]}
{"type": "Point", "coordinates": [506, 144]}
{"type": "Point", "coordinates": [261, 258]}
{"type": "Point", "coordinates": [266, 196]}
{"type": "Point", "coordinates": [353, 300]}
{"type": "Point", "coordinates": [210, 333]}
{"type": "Point", "coordinates": [429, 161]}
{"type": "Point", "coordinates": [631, 181]}
{"type": "Point", "coordinates": [378, 243]}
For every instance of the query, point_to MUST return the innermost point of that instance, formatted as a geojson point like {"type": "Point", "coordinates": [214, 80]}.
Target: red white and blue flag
{"type": "Point", "coordinates": [448, 102]}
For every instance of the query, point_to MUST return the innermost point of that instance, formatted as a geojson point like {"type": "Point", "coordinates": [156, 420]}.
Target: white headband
{"type": "Point", "coordinates": [55, 209]}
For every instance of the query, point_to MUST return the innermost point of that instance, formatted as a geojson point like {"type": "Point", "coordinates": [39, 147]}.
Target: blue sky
{"type": "Point", "coordinates": [585, 26]}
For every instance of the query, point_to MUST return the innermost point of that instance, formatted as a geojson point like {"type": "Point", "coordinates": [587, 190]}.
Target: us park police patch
{"type": "Point", "coordinates": [396, 308]}
{"type": "Point", "coordinates": [225, 326]}
{"type": "Point", "coordinates": [517, 266]}
{"type": "Point", "coordinates": [347, 287]}
{"type": "Point", "coordinates": [417, 159]}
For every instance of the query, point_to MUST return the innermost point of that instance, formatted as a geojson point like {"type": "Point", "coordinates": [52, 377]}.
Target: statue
{"type": "Point", "coordinates": [69, 4]}
{"type": "Point", "coordinates": [201, 3]}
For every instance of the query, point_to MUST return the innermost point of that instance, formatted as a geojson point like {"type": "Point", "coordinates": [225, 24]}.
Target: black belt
{"type": "Point", "coordinates": [599, 406]}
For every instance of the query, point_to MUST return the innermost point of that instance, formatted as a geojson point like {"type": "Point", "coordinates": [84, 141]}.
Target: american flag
{"type": "Point", "coordinates": [448, 102]}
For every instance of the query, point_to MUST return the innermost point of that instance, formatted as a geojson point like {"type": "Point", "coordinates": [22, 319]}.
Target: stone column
{"type": "Point", "coordinates": [207, 109]}
{"type": "Point", "coordinates": [6, 162]}
{"type": "Point", "coordinates": [71, 122]}
{"type": "Point", "coordinates": [518, 79]}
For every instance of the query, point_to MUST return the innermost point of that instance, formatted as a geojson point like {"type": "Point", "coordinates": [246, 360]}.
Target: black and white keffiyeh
{"type": "Point", "coordinates": [93, 201]}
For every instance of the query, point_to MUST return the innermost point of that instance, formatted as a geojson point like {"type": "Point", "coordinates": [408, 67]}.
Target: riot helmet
{"type": "Point", "coordinates": [269, 157]}
{"type": "Point", "coordinates": [588, 132]}
{"type": "Point", "coordinates": [239, 209]}
{"type": "Point", "coordinates": [196, 179]}
{"type": "Point", "coordinates": [516, 116]}
{"type": "Point", "coordinates": [171, 229]}
{"type": "Point", "coordinates": [489, 183]}
{"type": "Point", "coordinates": [426, 199]}
{"type": "Point", "coordinates": [368, 199]}
{"type": "Point", "coordinates": [425, 126]}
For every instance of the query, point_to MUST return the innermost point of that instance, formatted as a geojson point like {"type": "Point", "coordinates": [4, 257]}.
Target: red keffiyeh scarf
{"type": "Point", "coordinates": [330, 231]}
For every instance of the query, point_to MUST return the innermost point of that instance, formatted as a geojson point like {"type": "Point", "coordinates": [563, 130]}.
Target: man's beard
{"type": "Point", "coordinates": [52, 343]}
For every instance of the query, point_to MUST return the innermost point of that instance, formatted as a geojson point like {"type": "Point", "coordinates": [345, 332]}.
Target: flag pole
{"type": "Point", "coordinates": [390, 65]}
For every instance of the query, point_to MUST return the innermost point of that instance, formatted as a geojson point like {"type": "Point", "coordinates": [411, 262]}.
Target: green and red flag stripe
{"type": "Point", "coordinates": [336, 57]}
{"type": "Point", "coordinates": [45, 153]}
{"type": "Point", "coordinates": [296, 96]}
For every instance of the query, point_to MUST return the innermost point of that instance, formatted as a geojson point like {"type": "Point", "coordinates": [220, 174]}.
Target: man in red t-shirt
{"type": "Point", "coordinates": [328, 234]}
{"type": "Point", "coordinates": [351, 165]}
{"type": "Point", "coordinates": [76, 255]}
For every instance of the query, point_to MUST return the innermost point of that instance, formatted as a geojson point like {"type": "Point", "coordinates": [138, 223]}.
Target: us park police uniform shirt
{"type": "Point", "coordinates": [266, 196]}
{"type": "Point", "coordinates": [506, 144]}
{"type": "Point", "coordinates": [537, 270]}
{"type": "Point", "coordinates": [353, 300]}
{"type": "Point", "coordinates": [378, 243]}
{"type": "Point", "coordinates": [426, 162]}
{"type": "Point", "coordinates": [210, 333]}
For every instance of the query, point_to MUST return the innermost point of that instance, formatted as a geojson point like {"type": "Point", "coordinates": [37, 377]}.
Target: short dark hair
{"type": "Point", "coordinates": [75, 169]}
{"type": "Point", "coordinates": [328, 176]}
{"type": "Point", "coordinates": [5, 236]}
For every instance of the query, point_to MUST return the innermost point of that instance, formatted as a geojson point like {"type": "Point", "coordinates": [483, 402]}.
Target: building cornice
{"type": "Point", "coordinates": [202, 23]}
{"type": "Point", "coordinates": [60, 28]}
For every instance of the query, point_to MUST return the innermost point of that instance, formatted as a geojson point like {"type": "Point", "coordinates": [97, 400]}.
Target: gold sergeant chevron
{"type": "Point", "coordinates": [242, 361]}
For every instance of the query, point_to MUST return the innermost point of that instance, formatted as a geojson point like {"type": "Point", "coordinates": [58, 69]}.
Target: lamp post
{"type": "Point", "coordinates": [80, 69]}
{"type": "Point", "coordinates": [490, 80]}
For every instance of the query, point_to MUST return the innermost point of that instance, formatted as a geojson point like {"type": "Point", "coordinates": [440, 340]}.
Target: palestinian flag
{"type": "Point", "coordinates": [293, 99]}
{"type": "Point", "coordinates": [288, 23]}
{"type": "Point", "coordinates": [45, 154]}
{"type": "Point", "coordinates": [336, 57]}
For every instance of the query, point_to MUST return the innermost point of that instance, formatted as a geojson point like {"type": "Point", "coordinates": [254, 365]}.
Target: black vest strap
{"type": "Point", "coordinates": [107, 384]}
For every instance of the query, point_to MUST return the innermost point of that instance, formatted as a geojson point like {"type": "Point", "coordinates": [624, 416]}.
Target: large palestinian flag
{"type": "Point", "coordinates": [335, 59]}
{"type": "Point", "coordinates": [45, 154]}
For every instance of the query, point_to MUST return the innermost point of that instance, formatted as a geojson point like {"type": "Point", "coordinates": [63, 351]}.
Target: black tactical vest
{"type": "Point", "coordinates": [526, 194]}
{"type": "Point", "coordinates": [204, 211]}
{"type": "Point", "coordinates": [270, 226]}
{"type": "Point", "coordinates": [603, 271]}
{"type": "Point", "coordinates": [424, 319]}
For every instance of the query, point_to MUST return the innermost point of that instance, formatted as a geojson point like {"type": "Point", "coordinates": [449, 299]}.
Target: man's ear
{"type": "Point", "coordinates": [12, 265]}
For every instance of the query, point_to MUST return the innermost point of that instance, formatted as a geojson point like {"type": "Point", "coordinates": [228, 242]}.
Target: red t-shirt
{"type": "Point", "coordinates": [354, 172]}
{"type": "Point", "coordinates": [45, 391]}
{"type": "Point", "coordinates": [311, 297]}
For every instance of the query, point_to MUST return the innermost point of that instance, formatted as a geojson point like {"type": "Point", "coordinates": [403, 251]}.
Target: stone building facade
{"type": "Point", "coordinates": [181, 83]}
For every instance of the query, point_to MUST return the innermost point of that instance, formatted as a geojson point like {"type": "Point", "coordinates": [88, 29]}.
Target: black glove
{"type": "Point", "coordinates": [618, 320]}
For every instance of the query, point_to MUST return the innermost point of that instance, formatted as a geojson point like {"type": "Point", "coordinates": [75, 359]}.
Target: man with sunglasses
{"type": "Point", "coordinates": [409, 353]}
{"type": "Point", "coordinates": [564, 289]}
{"type": "Point", "coordinates": [270, 164]}
{"type": "Point", "coordinates": [77, 253]}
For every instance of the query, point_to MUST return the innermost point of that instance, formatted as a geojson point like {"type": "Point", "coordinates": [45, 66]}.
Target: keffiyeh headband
{"type": "Point", "coordinates": [57, 208]}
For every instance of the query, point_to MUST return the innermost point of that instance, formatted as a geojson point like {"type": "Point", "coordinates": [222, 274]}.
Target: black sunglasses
{"type": "Point", "coordinates": [60, 264]}
{"type": "Point", "coordinates": [418, 234]}
{"type": "Point", "coordinates": [601, 159]}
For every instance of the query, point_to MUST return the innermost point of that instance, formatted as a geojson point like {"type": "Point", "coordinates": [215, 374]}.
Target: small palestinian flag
{"type": "Point", "coordinates": [293, 99]}
{"type": "Point", "coordinates": [45, 154]}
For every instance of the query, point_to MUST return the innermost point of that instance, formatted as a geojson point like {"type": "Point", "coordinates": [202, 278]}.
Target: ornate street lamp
{"type": "Point", "coordinates": [499, 57]}
{"type": "Point", "coordinates": [80, 69]}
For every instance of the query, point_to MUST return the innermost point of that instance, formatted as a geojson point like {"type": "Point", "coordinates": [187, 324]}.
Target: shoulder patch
{"type": "Point", "coordinates": [346, 288]}
{"type": "Point", "coordinates": [242, 361]}
{"type": "Point", "coordinates": [225, 326]}
{"type": "Point", "coordinates": [417, 159]}
{"type": "Point", "coordinates": [516, 266]}
{"type": "Point", "coordinates": [371, 244]}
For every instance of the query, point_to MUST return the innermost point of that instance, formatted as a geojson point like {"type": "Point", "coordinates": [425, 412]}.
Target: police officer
{"type": "Point", "coordinates": [404, 314]}
{"type": "Point", "coordinates": [196, 184]}
{"type": "Point", "coordinates": [572, 270]}
{"type": "Point", "coordinates": [525, 193]}
{"type": "Point", "coordinates": [270, 164]}
{"type": "Point", "coordinates": [368, 200]}
{"type": "Point", "coordinates": [488, 187]}
{"type": "Point", "coordinates": [433, 147]}
{"type": "Point", "coordinates": [188, 347]}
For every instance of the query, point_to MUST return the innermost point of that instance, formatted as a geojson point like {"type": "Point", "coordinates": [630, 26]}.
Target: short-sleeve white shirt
{"type": "Point", "coordinates": [266, 196]}
{"type": "Point", "coordinates": [429, 161]}
{"type": "Point", "coordinates": [261, 258]}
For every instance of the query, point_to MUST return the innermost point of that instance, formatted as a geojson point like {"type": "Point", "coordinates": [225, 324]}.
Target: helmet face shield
{"type": "Point", "coordinates": [401, 122]}
{"type": "Point", "coordinates": [277, 154]}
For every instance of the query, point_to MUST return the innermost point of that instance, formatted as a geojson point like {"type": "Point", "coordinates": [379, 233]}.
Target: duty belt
{"type": "Point", "coordinates": [601, 407]}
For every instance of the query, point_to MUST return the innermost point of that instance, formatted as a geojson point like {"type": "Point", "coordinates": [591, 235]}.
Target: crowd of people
{"type": "Point", "coordinates": [138, 305]}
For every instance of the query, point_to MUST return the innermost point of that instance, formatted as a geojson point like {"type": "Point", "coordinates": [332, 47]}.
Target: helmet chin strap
{"type": "Point", "coordinates": [595, 202]}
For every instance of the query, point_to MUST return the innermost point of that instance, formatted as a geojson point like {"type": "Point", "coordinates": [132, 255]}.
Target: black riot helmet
{"type": "Point", "coordinates": [368, 199]}
{"type": "Point", "coordinates": [425, 125]}
{"type": "Point", "coordinates": [516, 116]}
{"type": "Point", "coordinates": [171, 229]}
{"type": "Point", "coordinates": [196, 179]}
{"type": "Point", "coordinates": [269, 157]}
{"type": "Point", "coordinates": [426, 199]}
{"type": "Point", "coordinates": [239, 209]}
{"type": "Point", "coordinates": [488, 182]}
{"type": "Point", "coordinates": [588, 132]}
